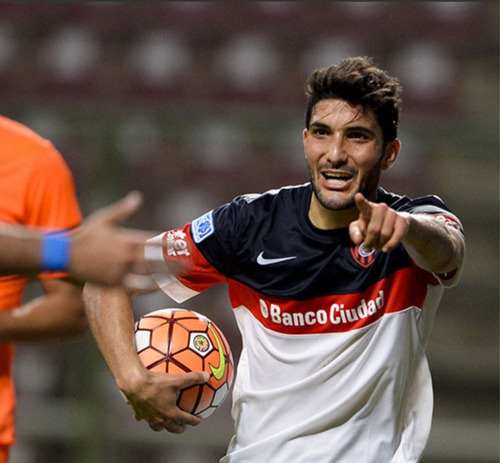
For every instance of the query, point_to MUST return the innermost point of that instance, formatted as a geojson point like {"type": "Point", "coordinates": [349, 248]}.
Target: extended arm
{"type": "Point", "coordinates": [152, 395]}
{"type": "Point", "coordinates": [100, 251]}
{"type": "Point", "coordinates": [19, 250]}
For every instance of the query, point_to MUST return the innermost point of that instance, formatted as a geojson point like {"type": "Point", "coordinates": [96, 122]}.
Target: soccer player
{"type": "Point", "coordinates": [334, 285]}
{"type": "Point", "coordinates": [36, 195]}
{"type": "Point", "coordinates": [36, 190]}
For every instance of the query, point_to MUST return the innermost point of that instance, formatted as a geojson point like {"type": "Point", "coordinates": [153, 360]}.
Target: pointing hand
{"type": "Point", "coordinates": [378, 226]}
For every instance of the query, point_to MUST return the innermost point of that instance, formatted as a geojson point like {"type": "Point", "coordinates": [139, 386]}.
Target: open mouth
{"type": "Point", "coordinates": [337, 179]}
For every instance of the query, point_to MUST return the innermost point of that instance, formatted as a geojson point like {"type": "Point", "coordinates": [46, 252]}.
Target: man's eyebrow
{"type": "Point", "coordinates": [352, 128]}
{"type": "Point", "coordinates": [319, 124]}
{"type": "Point", "coordinates": [361, 128]}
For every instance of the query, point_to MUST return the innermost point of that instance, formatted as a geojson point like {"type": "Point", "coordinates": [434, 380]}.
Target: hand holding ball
{"type": "Point", "coordinates": [180, 341]}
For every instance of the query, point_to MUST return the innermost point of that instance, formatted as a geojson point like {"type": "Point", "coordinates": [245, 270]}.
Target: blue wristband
{"type": "Point", "coordinates": [55, 252]}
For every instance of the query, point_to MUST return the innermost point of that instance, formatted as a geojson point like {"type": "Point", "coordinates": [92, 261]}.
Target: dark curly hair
{"type": "Point", "coordinates": [359, 81]}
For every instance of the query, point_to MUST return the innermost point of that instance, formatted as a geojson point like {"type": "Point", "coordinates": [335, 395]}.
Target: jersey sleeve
{"type": "Point", "coordinates": [51, 198]}
{"type": "Point", "coordinates": [51, 201]}
{"type": "Point", "coordinates": [434, 206]}
{"type": "Point", "coordinates": [178, 266]}
{"type": "Point", "coordinates": [191, 259]}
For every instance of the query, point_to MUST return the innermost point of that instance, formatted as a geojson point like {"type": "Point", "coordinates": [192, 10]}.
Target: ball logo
{"type": "Point", "coordinates": [201, 343]}
{"type": "Point", "coordinates": [362, 256]}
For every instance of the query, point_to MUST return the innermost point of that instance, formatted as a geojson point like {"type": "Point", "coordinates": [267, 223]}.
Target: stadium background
{"type": "Point", "coordinates": [193, 103]}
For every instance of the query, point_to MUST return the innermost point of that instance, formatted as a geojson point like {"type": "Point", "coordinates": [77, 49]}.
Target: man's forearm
{"type": "Point", "coordinates": [434, 246]}
{"type": "Point", "coordinates": [110, 316]}
{"type": "Point", "coordinates": [20, 250]}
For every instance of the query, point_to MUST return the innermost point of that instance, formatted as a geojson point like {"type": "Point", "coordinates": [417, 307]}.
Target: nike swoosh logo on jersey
{"type": "Point", "coordinates": [219, 371]}
{"type": "Point", "coordinates": [261, 260]}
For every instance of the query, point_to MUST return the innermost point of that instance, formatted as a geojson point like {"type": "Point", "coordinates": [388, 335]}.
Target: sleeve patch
{"type": "Point", "coordinates": [203, 227]}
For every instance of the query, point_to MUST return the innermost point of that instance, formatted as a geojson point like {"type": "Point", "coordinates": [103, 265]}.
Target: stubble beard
{"type": "Point", "coordinates": [368, 188]}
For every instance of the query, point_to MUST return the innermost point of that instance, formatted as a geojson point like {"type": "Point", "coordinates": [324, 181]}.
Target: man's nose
{"type": "Point", "coordinates": [336, 150]}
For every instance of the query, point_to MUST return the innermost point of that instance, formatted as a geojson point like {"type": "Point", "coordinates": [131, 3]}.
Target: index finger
{"type": "Point", "coordinates": [363, 206]}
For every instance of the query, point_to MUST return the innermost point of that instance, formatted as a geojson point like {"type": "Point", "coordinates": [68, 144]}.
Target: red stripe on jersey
{"type": "Point", "coordinates": [339, 312]}
{"type": "Point", "coordinates": [403, 289]}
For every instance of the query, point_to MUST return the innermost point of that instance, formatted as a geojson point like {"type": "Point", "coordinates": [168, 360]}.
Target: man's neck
{"type": "Point", "coordinates": [326, 219]}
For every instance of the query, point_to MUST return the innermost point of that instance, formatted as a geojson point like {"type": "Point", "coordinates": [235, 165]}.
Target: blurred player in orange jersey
{"type": "Point", "coordinates": [36, 190]}
{"type": "Point", "coordinates": [36, 195]}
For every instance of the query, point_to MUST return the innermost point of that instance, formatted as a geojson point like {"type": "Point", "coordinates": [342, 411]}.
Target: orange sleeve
{"type": "Point", "coordinates": [51, 200]}
{"type": "Point", "coordinates": [37, 187]}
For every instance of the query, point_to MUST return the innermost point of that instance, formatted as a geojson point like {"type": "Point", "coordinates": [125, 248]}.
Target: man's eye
{"type": "Point", "coordinates": [358, 136]}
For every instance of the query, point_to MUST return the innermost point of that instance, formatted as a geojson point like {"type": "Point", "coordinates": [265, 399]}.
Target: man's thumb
{"type": "Point", "coordinates": [355, 233]}
{"type": "Point", "coordinates": [123, 208]}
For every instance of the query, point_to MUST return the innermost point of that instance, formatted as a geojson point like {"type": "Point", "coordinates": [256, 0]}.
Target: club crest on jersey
{"type": "Point", "coordinates": [362, 256]}
{"type": "Point", "coordinates": [202, 227]}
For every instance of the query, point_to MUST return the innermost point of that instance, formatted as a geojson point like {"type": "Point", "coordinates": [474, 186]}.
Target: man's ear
{"type": "Point", "coordinates": [391, 153]}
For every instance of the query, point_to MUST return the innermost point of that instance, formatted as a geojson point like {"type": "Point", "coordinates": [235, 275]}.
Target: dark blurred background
{"type": "Point", "coordinates": [193, 103]}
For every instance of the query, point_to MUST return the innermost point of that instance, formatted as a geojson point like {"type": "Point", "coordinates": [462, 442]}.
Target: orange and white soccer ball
{"type": "Point", "coordinates": [177, 340]}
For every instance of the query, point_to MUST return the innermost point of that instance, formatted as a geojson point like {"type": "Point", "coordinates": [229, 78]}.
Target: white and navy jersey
{"type": "Point", "coordinates": [333, 367]}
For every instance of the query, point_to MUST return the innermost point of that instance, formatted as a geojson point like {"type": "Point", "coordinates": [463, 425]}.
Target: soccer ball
{"type": "Point", "coordinates": [180, 341]}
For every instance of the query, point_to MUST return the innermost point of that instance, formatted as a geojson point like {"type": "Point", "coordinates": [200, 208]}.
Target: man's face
{"type": "Point", "coordinates": [345, 154]}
